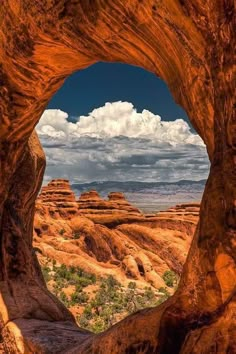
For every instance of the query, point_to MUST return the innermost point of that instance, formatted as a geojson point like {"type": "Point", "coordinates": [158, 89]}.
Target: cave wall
{"type": "Point", "coordinates": [190, 45]}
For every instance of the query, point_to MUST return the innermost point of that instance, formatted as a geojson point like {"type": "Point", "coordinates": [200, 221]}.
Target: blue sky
{"type": "Point", "coordinates": [109, 82]}
{"type": "Point", "coordinates": [120, 123]}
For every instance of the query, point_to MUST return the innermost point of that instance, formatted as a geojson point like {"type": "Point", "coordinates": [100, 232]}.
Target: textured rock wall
{"type": "Point", "coordinates": [57, 191]}
{"type": "Point", "coordinates": [59, 198]}
{"type": "Point", "coordinates": [191, 46]}
{"type": "Point", "coordinates": [90, 203]}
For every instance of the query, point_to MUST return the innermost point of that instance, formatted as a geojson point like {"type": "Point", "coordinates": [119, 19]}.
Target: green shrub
{"type": "Point", "coordinates": [170, 278]}
{"type": "Point", "coordinates": [76, 235]}
{"type": "Point", "coordinates": [110, 282]}
{"type": "Point", "coordinates": [59, 284]}
{"type": "Point", "coordinates": [132, 285]}
{"type": "Point", "coordinates": [54, 262]}
{"type": "Point", "coordinates": [83, 321]}
{"type": "Point", "coordinates": [62, 296]}
{"type": "Point", "coordinates": [46, 273]}
{"type": "Point", "coordinates": [149, 294]}
{"type": "Point", "coordinates": [62, 231]}
{"type": "Point", "coordinates": [73, 276]}
{"type": "Point", "coordinates": [111, 301]}
{"type": "Point", "coordinates": [62, 272]}
{"type": "Point", "coordinates": [163, 290]}
{"type": "Point", "coordinates": [79, 298]}
{"type": "Point", "coordinates": [83, 282]}
{"type": "Point", "coordinates": [98, 326]}
{"type": "Point", "coordinates": [88, 312]}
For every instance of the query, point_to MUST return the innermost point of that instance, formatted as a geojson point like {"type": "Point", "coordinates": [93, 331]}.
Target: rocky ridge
{"type": "Point", "coordinates": [91, 203]}
{"type": "Point", "coordinates": [112, 236]}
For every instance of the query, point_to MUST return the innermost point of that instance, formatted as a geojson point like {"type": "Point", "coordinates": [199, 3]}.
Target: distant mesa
{"type": "Point", "coordinates": [116, 196]}
{"type": "Point", "coordinates": [59, 196]}
{"type": "Point", "coordinates": [91, 195]}
{"type": "Point", "coordinates": [91, 203]}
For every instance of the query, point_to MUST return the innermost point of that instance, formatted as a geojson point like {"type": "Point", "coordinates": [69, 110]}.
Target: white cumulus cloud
{"type": "Point", "coordinates": [116, 142]}
{"type": "Point", "coordinates": [118, 119]}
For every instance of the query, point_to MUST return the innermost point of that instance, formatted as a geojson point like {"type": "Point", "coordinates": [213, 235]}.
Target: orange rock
{"type": "Point", "coordinates": [92, 195]}
{"type": "Point", "coordinates": [190, 45]}
{"type": "Point", "coordinates": [91, 203]}
{"type": "Point", "coordinates": [122, 242]}
{"type": "Point", "coordinates": [57, 197]}
{"type": "Point", "coordinates": [116, 196]}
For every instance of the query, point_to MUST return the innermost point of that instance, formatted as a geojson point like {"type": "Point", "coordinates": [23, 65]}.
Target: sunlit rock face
{"type": "Point", "coordinates": [116, 206]}
{"type": "Point", "coordinates": [191, 47]}
{"type": "Point", "coordinates": [59, 197]}
{"type": "Point", "coordinates": [57, 191]}
{"type": "Point", "coordinates": [111, 237]}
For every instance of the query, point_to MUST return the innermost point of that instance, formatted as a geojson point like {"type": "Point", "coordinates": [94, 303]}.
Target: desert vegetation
{"type": "Point", "coordinates": [99, 302]}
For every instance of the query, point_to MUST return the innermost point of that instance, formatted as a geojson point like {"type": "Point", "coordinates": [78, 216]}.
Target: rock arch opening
{"type": "Point", "coordinates": [199, 73]}
{"type": "Point", "coordinates": [120, 134]}
{"type": "Point", "coordinates": [91, 235]}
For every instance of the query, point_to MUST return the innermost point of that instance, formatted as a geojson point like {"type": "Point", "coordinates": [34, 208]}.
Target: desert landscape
{"type": "Point", "coordinates": [190, 46]}
{"type": "Point", "coordinates": [110, 238]}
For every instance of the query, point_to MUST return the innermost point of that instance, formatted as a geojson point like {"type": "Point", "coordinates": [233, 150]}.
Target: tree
{"type": "Point", "coordinates": [170, 278]}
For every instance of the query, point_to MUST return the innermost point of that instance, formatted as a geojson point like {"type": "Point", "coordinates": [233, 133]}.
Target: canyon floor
{"type": "Point", "coordinates": [104, 258]}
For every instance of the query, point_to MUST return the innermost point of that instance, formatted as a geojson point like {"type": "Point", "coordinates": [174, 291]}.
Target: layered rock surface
{"type": "Point", "coordinates": [191, 46]}
{"type": "Point", "coordinates": [111, 236]}
{"type": "Point", "coordinates": [57, 191]}
{"type": "Point", "coordinates": [59, 197]}
{"type": "Point", "coordinates": [91, 203]}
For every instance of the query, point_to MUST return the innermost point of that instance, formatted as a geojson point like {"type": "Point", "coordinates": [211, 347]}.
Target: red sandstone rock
{"type": "Point", "coordinates": [128, 247]}
{"type": "Point", "coordinates": [58, 197]}
{"type": "Point", "coordinates": [92, 195]}
{"type": "Point", "coordinates": [91, 203]}
{"type": "Point", "coordinates": [116, 196]}
{"type": "Point", "coordinates": [190, 45]}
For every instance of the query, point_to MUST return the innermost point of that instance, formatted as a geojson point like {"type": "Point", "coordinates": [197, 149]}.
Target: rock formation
{"type": "Point", "coordinates": [109, 212]}
{"type": "Point", "coordinates": [59, 198]}
{"type": "Point", "coordinates": [57, 191]}
{"type": "Point", "coordinates": [130, 248]}
{"type": "Point", "coordinates": [91, 203]}
{"type": "Point", "coordinates": [191, 46]}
